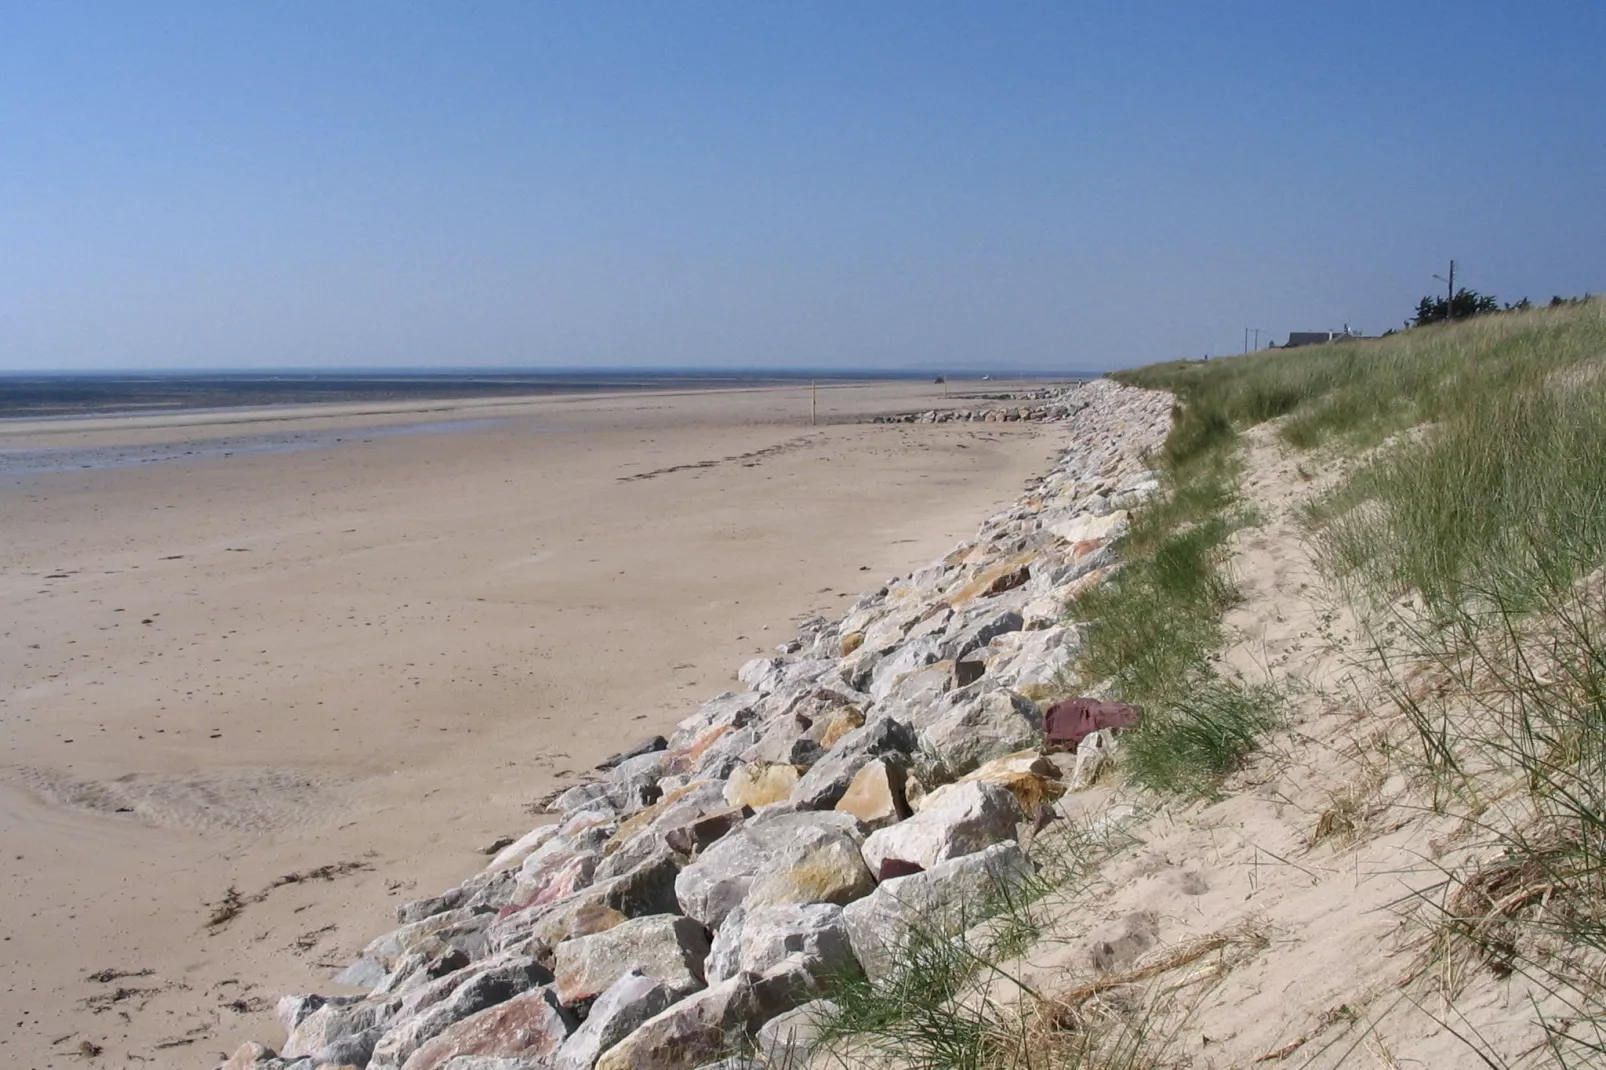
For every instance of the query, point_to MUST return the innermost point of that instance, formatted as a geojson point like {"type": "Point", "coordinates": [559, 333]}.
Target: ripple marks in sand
{"type": "Point", "coordinates": [245, 800]}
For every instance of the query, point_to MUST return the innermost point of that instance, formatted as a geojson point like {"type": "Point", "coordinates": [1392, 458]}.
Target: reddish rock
{"type": "Point", "coordinates": [1071, 721]}
{"type": "Point", "coordinates": [692, 837]}
{"type": "Point", "coordinates": [531, 1027]}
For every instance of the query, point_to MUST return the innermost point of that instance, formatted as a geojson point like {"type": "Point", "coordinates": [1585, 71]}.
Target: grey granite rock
{"type": "Point", "coordinates": [828, 778]}
{"type": "Point", "coordinates": [942, 902]}
{"type": "Point", "coordinates": [954, 820]}
{"type": "Point", "coordinates": [485, 988]}
{"type": "Point", "coordinates": [758, 940]}
{"type": "Point", "coordinates": [801, 854]}
{"type": "Point", "coordinates": [991, 725]}
{"type": "Point", "coordinates": [628, 1002]}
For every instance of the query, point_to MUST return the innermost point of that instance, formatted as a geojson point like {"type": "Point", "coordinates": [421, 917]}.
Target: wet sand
{"type": "Point", "coordinates": [355, 659]}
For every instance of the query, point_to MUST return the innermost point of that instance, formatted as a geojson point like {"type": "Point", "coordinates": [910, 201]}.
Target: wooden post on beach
{"type": "Point", "coordinates": [814, 402]}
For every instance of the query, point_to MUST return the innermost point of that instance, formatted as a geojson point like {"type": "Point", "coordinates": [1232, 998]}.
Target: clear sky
{"type": "Point", "coordinates": [1027, 185]}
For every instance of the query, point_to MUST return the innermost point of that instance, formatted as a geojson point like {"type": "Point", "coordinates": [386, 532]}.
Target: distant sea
{"type": "Point", "coordinates": [97, 394]}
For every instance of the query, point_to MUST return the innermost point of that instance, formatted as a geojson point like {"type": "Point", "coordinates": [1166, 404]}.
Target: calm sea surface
{"type": "Point", "coordinates": [36, 396]}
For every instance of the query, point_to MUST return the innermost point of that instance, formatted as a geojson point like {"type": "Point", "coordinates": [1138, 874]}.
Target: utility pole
{"type": "Point", "coordinates": [1257, 339]}
{"type": "Point", "coordinates": [1449, 298]}
{"type": "Point", "coordinates": [814, 402]}
{"type": "Point", "coordinates": [1246, 339]}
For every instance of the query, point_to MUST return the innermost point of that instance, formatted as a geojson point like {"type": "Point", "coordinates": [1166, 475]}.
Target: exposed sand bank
{"type": "Point", "coordinates": [225, 670]}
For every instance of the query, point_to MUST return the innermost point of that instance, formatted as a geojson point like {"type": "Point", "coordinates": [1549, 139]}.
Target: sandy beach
{"type": "Point", "coordinates": [283, 670]}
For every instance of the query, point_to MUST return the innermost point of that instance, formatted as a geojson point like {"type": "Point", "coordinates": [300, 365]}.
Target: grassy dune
{"type": "Point", "coordinates": [1469, 534]}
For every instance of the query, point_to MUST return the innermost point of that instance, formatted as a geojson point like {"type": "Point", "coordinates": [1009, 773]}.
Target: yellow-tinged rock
{"type": "Point", "coordinates": [914, 792]}
{"type": "Point", "coordinates": [983, 581]}
{"type": "Point", "coordinates": [851, 642]}
{"type": "Point", "coordinates": [759, 784]}
{"type": "Point", "coordinates": [875, 795]}
{"type": "Point", "coordinates": [841, 723]}
{"type": "Point", "coordinates": [642, 818]}
{"type": "Point", "coordinates": [247, 1056]}
{"type": "Point", "coordinates": [1029, 776]}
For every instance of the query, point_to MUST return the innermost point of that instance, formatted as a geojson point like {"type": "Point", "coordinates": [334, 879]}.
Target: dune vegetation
{"type": "Point", "coordinates": [1464, 532]}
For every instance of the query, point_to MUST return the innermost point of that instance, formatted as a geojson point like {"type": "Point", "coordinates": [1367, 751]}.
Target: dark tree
{"type": "Point", "coordinates": [1465, 305]}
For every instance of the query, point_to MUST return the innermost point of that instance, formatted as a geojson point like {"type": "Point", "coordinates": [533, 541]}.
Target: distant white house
{"type": "Point", "coordinates": [1317, 338]}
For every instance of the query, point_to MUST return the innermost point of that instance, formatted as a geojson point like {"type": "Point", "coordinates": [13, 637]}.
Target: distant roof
{"type": "Point", "coordinates": [1316, 338]}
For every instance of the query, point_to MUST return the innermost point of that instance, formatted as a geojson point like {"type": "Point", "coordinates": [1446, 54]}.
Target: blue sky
{"type": "Point", "coordinates": [1022, 185]}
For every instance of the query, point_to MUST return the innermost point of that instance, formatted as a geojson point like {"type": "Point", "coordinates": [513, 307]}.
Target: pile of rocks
{"type": "Point", "coordinates": [1057, 404]}
{"type": "Point", "coordinates": [878, 772]}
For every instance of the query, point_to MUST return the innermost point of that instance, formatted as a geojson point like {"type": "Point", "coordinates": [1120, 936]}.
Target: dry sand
{"type": "Point", "coordinates": [368, 641]}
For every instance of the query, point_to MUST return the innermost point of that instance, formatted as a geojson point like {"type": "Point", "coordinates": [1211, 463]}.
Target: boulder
{"type": "Point", "coordinates": [969, 669]}
{"type": "Point", "coordinates": [978, 628]}
{"type": "Point", "coordinates": [1032, 662]}
{"type": "Point", "coordinates": [988, 726]}
{"type": "Point", "coordinates": [828, 779]}
{"type": "Point", "coordinates": [1030, 777]}
{"type": "Point", "coordinates": [993, 579]}
{"type": "Point", "coordinates": [682, 803]}
{"type": "Point", "coordinates": [725, 753]}
{"type": "Point", "coordinates": [727, 711]}
{"type": "Point", "coordinates": [648, 889]}
{"type": "Point", "coordinates": [948, 899]}
{"type": "Point", "coordinates": [646, 746]}
{"type": "Point", "coordinates": [688, 1033]}
{"type": "Point", "coordinates": [831, 728]}
{"type": "Point", "coordinates": [921, 687]}
{"type": "Point", "coordinates": [251, 1056]}
{"type": "Point", "coordinates": [784, 741]}
{"type": "Point", "coordinates": [790, 1037]}
{"type": "Point", "coordinates": [760, 939]}
{"type": "Point", "coordinates": [460, 929]}
{"type": "Point", "coordinates": [666, 947]}
{"type": "Point", "coordinates": [1089, 528]}
{"type": "Point", "coordinates": [875, 794]}
{"type": "Point", "coordinates": [759, 784]}
{"type": "Point", "coordinates": [696, 835]}
{"type": "Point", "coordinates": [343, 1030]}
{"type": "Point", "coordinates": [531, 1026]}
{"type": "Point", "coordinates": [432, 1015]}
{"type": "Point", "coordinates": [618, 1012]}
{"type": "Point", "coordinates": [856, 668]}
{"type": "Point", "coordinates": [698, 1028]}
{"type": "Point", "coordinates": [640, 772]}
{"type": "Point", "coordinates": [560, 877]}
{"type": "Point", "coordinates": [762, 674]}
{"type": "Point", "coordinates": [915, 654]}
{"type": "Point", "coordinates": [419, 970]}
{"type": "Point", "coordinates": [954, 820]}
{"type": "Point", "coordinates": [776, 858]}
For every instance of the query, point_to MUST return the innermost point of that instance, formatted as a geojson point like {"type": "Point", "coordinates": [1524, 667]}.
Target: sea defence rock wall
{"type": "Point", "coordinates": [1047, 404]}
{"type": "Point", "coordinates": [880, 770]}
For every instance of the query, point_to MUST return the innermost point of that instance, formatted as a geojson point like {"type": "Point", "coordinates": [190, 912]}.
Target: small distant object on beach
{"type": "Point", "coordinates": [939, 380]}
